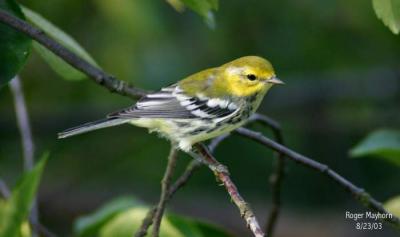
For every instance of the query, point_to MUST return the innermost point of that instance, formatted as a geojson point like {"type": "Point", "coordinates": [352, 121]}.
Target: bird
{"type": "Point", "coordinates": [202, 106]}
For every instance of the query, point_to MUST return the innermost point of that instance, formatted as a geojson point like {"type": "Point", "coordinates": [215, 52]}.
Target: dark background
{"type": "Point", "coordinates": [340, 65]}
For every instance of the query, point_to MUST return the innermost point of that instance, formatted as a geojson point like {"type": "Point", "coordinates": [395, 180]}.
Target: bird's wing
{"type": "Point", "coordinates": [172, 102]}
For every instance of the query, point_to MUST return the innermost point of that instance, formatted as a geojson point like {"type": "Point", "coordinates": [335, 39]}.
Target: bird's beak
{"type": "Point", "coordinates": [275, 80]}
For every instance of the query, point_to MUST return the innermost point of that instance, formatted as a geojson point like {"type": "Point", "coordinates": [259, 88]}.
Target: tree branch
{"type": "Point", "coordinates": [165, 186]}
{"type": "Point", "coordinates": [120, 87]}
{"type": "Point", "coordinates": [96, 74]}
{"type": "Point", "coordinates": [223, 176]}
{"type": "Point", "coordinates": [276, 180]}
{"type": "Point", "coordinates": [42, 230]}
{"type": "Point", "coordinates": [155, 213]}
{"type": "Point", "coordinates": [193, 166]}
{"type": "Point", "coordinates": [23, 123]}
{"type": "Point", "coordinates": [358, 193]}
{"type": "Point", "coordinates": [277, 176]}
{"type": "Point", "coordinates": [179, 183]}
{"type": "Point", "coordinates": [146, 223]}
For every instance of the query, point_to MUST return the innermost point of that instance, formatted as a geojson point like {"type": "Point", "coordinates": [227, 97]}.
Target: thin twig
{"type": "Point", "coordinates": [222, 175]}
{"type": "Point", "coordinates": [267, 121]}
{"type": "Point", "coordinates": [276, 178]}
{"type": "Point", "coordinates": [98, 75]}
{"type": "Point", "coordinates": [165, 185]}
{"type": "Point", "coordinates": [179, 183]}
{"type": "Point", "coordinates": [358, 193]}
{"type": "Point", "coordinates": [182, 180]}
{"type": "Point", "coordinates": [4, 190]}
{"type": "Point", "coordinates": [24, 127]}
{"type": "Point", "coordinates": [28, 146]}
{"type": "Point", "coordinates": [193, 166]}
{"type": "Point", "coordinates": [42, 230]}
{"type": "Point", "coordinates": [154, 214]}
{"type": "Point", "coordinates": [146, 222]}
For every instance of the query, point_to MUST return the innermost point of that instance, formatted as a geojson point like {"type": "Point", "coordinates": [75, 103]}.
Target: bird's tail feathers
{"type": "Point", "coordinates": [87, 127]}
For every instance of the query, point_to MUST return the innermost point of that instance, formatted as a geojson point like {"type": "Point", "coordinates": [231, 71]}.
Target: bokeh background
{"type": "Point", "coordinates": [341, 68]}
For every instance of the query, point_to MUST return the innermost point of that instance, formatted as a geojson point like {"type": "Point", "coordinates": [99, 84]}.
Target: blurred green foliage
{"type": "Point", "coordinates": [389, 12]}
{"type": "Point", "coordinates": [123, 216]}
{"type": "Point", "coordinates": [61, 67]}
{"type": "Point", "coordinates": [339, 63]}
{"type": "Point", "coordinates": [14, 46]}
{"type": "Point", "coordinates": [91, 224]}
{"type": "Point", "coordinates": [393, 206]}
{"type": "Point", "coordinates": [15, 210]}
{"type": "Point", "coordinates": [203, 8]}
{"type": "Point", "coordinates": [381, 143]}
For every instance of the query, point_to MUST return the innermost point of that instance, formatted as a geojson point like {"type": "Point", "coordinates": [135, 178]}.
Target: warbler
{"type": "Point", "coordinates": [204, 105]}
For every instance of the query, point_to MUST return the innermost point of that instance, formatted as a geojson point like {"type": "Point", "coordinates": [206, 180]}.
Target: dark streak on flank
{"type": "Point", "coordinates": [182, 124]}
{"type": "Point", "coordinates": [198, 130]}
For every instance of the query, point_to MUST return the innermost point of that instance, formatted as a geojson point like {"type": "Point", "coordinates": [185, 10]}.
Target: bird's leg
{"type": "Point", "coordinates": [202, 154]}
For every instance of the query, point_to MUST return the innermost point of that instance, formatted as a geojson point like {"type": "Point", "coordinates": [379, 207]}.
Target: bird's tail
{"type": "Point", "coordinates": [87, 127]}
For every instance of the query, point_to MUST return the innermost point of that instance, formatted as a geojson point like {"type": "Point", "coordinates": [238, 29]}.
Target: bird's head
{"type": "Point", "coordinates": [248, 75]}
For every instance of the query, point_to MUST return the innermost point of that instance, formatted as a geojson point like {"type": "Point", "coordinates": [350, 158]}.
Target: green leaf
{"type": "Point", "coordinates": [122, 217]}
{"type": "Point", "coordinates": [25, 229]}
{"type": "Point", "coordinates": [126, 223]}
{"type": "Point", "coordinates": [204, 8]}
{"type": "Point", "coordinates": [381, 143]}
{"type": "Point", "coordinates": [393, 206]}
{"type": "Point", "coordinates": [16, 209]}
{"type": "Point", "coordinates": [389, 12]}
{"type": "Point", "coordinates": [90, 225]}
{"type": "Point", "coordinates": [14, 46]}
{"type": "Point", "coordinates": [177, 5]}
{"type": "Point", "coordinates": [196, 228]}
{"type": "Point", "coordinates": [56, 63]}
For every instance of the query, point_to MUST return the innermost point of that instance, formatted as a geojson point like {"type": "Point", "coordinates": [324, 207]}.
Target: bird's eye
{"type": "Point", "coordinates": [251, 77]}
